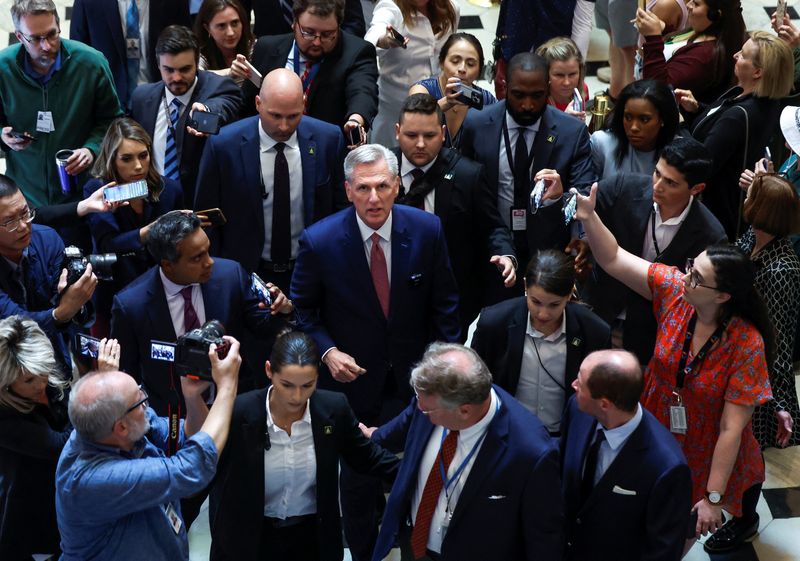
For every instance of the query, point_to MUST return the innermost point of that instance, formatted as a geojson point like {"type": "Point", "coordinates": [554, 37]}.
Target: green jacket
{"type": "Point", "coordinates": [83, 101]}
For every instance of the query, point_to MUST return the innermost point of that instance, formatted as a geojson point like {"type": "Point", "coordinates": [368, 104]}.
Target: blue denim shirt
{"type": "Point", "coordinates": [111, 503]}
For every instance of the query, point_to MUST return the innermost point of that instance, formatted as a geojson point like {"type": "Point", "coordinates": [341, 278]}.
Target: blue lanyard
{"type": "Point", "coordinates": [457, 474]}
{"type": "Point", "coordinates": [312, 72]}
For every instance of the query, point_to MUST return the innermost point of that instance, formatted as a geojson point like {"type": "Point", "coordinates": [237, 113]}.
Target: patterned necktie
{"type": "Point", "coordinates": [171, 162]}
{"type": "Point", "coordinates": [286, 12]}
{"type": "Point", "coordinates": [589, 471]}
{"type": "Point", "coordinates": [132, 32]}
{"type": "Point", "coordinates": [430, 496]}
{"type": "Point", "coordinates": [281, 241]}
{"type": "Point", "coordinates": [190, 319]}
{"type": "Point", "coordinates": [379, 271]}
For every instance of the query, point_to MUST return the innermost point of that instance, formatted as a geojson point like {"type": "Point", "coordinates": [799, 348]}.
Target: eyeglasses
{"type": "Point", "coordinates": [427, 412]}
{"type": "Point", "coordinates": [323, 36]}
{"type": "Point", "coordinates": [14, 224]}
{"type": "Point", "coordinates": [694, 276]}
{"type": "Point", "coordinates": [135, 406]}
{"type": "Point", "coordinates": [39, 39]}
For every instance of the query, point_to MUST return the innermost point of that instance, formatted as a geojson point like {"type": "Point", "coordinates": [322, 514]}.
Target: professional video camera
{"type": "Point", "coordinates": [75, 264]}
{"type": "Point", "coordinates": [191, 349]}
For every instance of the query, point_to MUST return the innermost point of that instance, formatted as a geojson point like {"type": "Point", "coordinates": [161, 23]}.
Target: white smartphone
{"type": "Point", "coordinates": [255, 75]}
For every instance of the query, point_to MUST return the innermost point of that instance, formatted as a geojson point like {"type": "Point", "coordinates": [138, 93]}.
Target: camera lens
{"type": "Point", "coordinates": [102, 265]}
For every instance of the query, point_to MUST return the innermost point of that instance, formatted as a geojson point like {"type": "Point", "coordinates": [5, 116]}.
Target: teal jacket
{"type": "Point", "coordinates": [83, 101]}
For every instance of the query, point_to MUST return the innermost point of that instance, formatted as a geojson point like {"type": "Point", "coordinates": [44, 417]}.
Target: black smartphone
{"type": "Point", "coordinates": [214, 216]}
{"type": "Point", "coordinates": [203, 121]}
{"type": "Point", "coordinates": [21, 135]}
{"type": "Point", "coordinates": [398, 37]}
{"type": "Point", "coordinates": [260, 289]}
{"type": "Point", "coordinates": [354, 136]}
{"type": "Point", "coordinates": [470, 96]}
{"type": "Point", "coordinates": [126, 192]}
{"type": "Point", "coordinates": [87, 345]}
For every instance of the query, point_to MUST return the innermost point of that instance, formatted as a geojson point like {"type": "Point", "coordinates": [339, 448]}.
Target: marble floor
{"type": "Point", "coordinates": [779, 506]}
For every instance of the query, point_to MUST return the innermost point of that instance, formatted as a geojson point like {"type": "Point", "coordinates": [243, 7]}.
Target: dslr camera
{"type": "Point", "coordinates": [471, 96]}
{"type": "Point", "coordinates": [191, 349]}
{"type": "Point", "coordinates": [75, 263]}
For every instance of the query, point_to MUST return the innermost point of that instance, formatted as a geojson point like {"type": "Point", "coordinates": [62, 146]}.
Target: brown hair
{"type": "Point", "coordinates": [772, 205]}
{"type": "Point", "coordinates": [441, 14]}
{"type": "Point", "coordinates": [208, 47]}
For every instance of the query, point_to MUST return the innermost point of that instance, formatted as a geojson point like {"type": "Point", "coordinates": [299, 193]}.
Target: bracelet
{"type": "Point", "coordinates": [53, 313]}
{"type": "Point", "coordinates": [353, 121]}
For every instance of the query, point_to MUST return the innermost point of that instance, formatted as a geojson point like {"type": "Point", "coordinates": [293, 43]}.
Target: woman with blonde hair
{"type": "Point", "coordinates": [567, 72]}
{"type": "Point", "coordinates": [424, 25]}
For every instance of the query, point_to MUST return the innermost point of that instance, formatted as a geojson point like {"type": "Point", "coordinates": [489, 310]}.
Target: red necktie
{"type": "Point", "coordinates": [430, 496]}
{"type": "Point", "coordinates": [190, 319]}
{"type": "Point", "coordinates": [379, 271]}
{"type": "Point", "coordinates": [306, 87]}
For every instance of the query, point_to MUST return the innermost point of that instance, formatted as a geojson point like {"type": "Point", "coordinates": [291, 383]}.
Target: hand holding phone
{"type": "Point", "coordinates": [396, 36]}
{"type": "Point", "coordinates": [260, 289]}
{"type": "Point", "coordinates": [205, 122]}
{"type": "Point", "coordinates": [21, 135]}
{"type": "Point", "coordinates": [125, 192]}
{"type": "Point", "coordinates": [213, 215]}
{"type": "Point", "coordinates": [255, 75]}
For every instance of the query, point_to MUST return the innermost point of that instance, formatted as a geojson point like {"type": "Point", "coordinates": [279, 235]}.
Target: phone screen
{"type": "Point", "coordinates": [87, 345]}
{"type": "Point", "coordinates": [126, 191]}
{"type": "Point", "coordinates": [260, 289]}
{"type": "Point", "coordinates": [214, 215]}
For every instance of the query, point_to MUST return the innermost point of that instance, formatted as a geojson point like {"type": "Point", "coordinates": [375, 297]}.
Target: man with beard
{"type": "Point", "coordinates": [163, 108]}
{"type": "Point", "coordinates": [117, 492]}
{"type": "Point", "coordinates": [339, 70]}
{"type": "Point", "coordinates": [554, 148]}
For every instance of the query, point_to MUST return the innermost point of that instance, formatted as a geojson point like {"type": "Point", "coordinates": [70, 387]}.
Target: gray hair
{"type": "Point", "coordinates": [94, 419]}
{"type": "Point", "coordinates": [25, 349]}
{"type": "Point", "coordinates": [440, 375]}
{"type": "Point", "coordinates": [22, 8]}
{"type": "Point", "coordinates": [167, 232]}
{"type": "Point", "coordinates": [369, 154]}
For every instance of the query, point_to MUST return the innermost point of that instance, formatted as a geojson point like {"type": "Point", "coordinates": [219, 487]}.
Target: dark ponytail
{"type": "Point", "coordinates": [735, 274]}
{"type": "Point", "coordinates": [293, 348]}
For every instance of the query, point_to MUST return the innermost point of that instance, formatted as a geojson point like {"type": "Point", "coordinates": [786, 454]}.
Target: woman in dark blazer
{"type": "Point", "coordinates": [126, 156]}
{"type": "Point", "coordinates": [276, 493]}
{"type": "Point", "coordinates": [519, 339]}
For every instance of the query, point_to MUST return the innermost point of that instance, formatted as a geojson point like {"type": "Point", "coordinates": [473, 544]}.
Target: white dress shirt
{"type": "Point", "coordinates": [144, 33]}
{"type": "Point", "coordinates": [385, 232]}
{"type": "Point", "coordinates": [301, 60]}
{"type": "Point", "coordinates": [666, 231]}
{"type": "Point", "coordinates": [615, 440]}
{"type": "Point", "coordinates": [406, 167]}
{"type": "Point", "coordinates": [536, 390]}
{"type": "Point", "coordinates": [267, 154]}
{"type": "Point", "coordinates": [505, 175]}
{"type": "Point", "coordinates": [290, 468]}
{"type": "Point", "coordinates": [175, 302]}
{"type": "Point", "coordinates": [162, 120]}
{"type": "Point", "coordinates": [467, 438]}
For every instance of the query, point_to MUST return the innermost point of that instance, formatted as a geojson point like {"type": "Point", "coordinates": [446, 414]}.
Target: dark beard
{"type": "Point", "coordinates": [526, 119]}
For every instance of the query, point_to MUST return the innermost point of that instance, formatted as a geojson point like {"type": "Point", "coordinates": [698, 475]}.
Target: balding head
{"type": "Point", "coordinates": [280, 104]}
{"type": "Point", "coordinates": [614, 375]}
{"type": "Point", "coordinates": [98, 400]}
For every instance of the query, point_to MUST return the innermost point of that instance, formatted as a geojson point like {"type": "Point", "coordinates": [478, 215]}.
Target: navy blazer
{"type": "Point", "coordinates": [219, 93]}
{"type": "Point", "coordinates": [336, 303]}
{"type": "Point", "coordinates": [236, 507]}
{"type": "Point", "coordinates": [269, 21]}
{"type": "Point", "coordinates": [639, 510]}
{"type": "Point", "coordinates": [500, 340]}
{"type": "Point", "coordinates": [562, 144]}
{"type": "Point", "coordinates": [625, 205]}
{"type": "Point", "coordinates": [510, 507]}
{"type": "Point", "coordinates": [230, 179]}
{"type": "Point", "coordinates": [140, 316]}
{"type": "Point", "coordinates": [98, 24]}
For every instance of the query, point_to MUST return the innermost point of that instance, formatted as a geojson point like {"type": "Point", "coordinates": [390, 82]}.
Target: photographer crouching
{"type": "Point", "coordinates": [118, 494]}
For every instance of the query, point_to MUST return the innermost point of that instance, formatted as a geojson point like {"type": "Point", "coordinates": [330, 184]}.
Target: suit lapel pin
{"type": "Point", "coordinates": [551, 138]}
{"type": "Point", "coordinates": [327, 429]}
{"type": "Point", "coordinates": [576, 342]}
{"type": "Point", "coordinates": [311, 150]}
{"type": "Point", "coordinates": [448, 175]}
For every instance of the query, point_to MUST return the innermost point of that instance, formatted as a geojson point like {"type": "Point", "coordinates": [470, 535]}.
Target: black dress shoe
{"type": "Point", "coordinates": [731, 535]}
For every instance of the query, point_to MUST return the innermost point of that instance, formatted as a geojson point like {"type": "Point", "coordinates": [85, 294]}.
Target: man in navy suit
{"type": "Point", "coordinates": [112, 27]}
{"type": "Point", "coordinates": [185, 290]}
{"type": "Point", "coordinates": [499, 498]}
{"type": "Point", "coordinates": [555, 149]}
{"type": "Point", "coordinates": [182, 90]}
{"type": "Point", "coordinates": [241, 173]}
{"type": "Point", "coordinates": [373, 286]}
{"type": "Point", "coordinates": [627, 487]}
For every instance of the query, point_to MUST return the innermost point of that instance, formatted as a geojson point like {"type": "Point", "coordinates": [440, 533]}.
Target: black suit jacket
{"type": "Point", "coordinates": [237, 494]}
{"type": "Point", "coordinates": [473, 230]}
{"type": "Point", "coordinates": [269, 21]}
{"type": "Point", "coordinates": [98, 24]}
{"type": "Point", "coordinates": [500, 339]}
{"type": "Point", "coordinates": [220, 94]}
{"type": "Point", "coordinates": [625, 205]}
{"type": "Point", "coordinates": [347, 81]}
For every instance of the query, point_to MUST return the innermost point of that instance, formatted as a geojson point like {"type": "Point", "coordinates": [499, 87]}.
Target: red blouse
{"type": "Point", "coordinates": [735, 371]}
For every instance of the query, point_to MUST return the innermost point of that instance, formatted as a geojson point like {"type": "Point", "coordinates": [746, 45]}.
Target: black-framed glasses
{"type": "Point", "coordinates": [694, 277]}
{"type": "Point", "coordinates": [51, 36]}
{"type": "Point", "coordinates": [13, 224]}
{"type": "Point", "coordinates": [135, 406]}
{"type": "Point", "coordinates": [324, 36]}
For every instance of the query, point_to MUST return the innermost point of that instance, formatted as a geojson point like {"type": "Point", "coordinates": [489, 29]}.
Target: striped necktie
{"type": "Point", "coordinates": [171, 163]}
{"type": "Point", "coordinates": [286, 12]}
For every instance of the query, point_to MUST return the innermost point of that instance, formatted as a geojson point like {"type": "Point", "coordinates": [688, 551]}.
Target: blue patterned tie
{"type": "Point", "coordinates": [132, 32]}
{"type": "Point", "coordinates": [171, 163]}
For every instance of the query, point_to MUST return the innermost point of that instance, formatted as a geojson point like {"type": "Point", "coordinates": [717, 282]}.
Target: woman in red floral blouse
{"type": "Point", "coordinates": [708, 371]}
